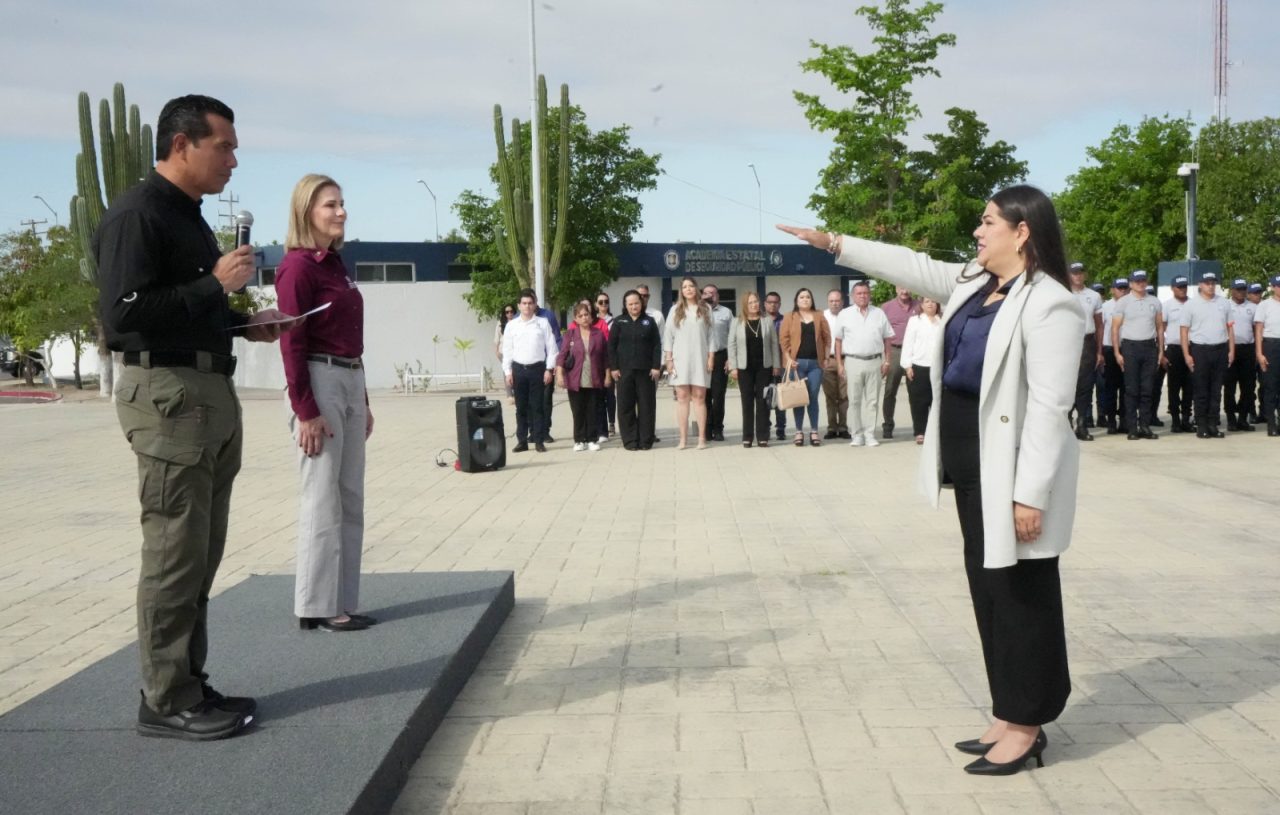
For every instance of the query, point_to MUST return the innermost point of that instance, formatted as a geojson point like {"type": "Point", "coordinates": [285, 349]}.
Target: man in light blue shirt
{"type": "Point", "coordinates": [1208, 346]}
{"type": "Point", "coordinates": [1242, 376]}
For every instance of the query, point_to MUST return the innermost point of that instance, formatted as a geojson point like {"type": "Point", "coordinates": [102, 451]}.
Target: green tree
{"type": "Point", "coordinates": [858, 191]}
{"type": "Point", "coordinates": [951, 183]}
{"type": "Point", "coordinates": [1239, 196]}
{"type": "Point", "coordinates": [253, 298]}
{"type": "Point", "coordinates": [1125, 210]}
{"type": "Point", "coordinates": [606, 177]}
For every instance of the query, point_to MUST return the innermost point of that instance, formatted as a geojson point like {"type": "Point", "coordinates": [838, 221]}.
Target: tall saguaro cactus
{"type": "Point", "coordinates": [515, 198]}
{"type": "Point", "coordinates": [127, 156]}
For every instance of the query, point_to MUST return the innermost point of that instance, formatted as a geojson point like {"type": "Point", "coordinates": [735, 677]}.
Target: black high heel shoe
{"type": "Point", "coordinates": [312, 623]}
{"type": "Point", "coordinates": [975, 747]}
{"type": "Point", "coordinates": [984, 767]}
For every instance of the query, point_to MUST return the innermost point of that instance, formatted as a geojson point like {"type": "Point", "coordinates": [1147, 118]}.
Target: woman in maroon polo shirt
{"type": "Point", "coordinates": [331, 417]}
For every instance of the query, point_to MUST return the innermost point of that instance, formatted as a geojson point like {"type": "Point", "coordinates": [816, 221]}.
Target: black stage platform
{"type": "Point", "coordinates": [341, 716]}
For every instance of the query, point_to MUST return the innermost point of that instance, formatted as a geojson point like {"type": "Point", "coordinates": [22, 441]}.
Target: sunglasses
{"type": "Point", "coordinates": [602, 302]}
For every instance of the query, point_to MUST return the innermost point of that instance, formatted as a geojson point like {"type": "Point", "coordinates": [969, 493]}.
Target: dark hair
{"type": "Point", "coordinates": [630, 292]}
{"type": "Point", "coordinates": [530, 293]}
{"type": "Point", "coordinates": [187, 115]}
{"type": "Point", "coordinates": [502, 315]}
{"type": "Point", "coordinates": [795, 303]}
{"type": "Point", "coordinates": [769, 294]}
{"type": "Point", "coordinates": [1023, 203]}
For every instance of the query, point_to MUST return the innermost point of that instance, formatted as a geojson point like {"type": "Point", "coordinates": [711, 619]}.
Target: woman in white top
{"type": "Point", "coordinates": [686, 347]}
{"type": "Point", "coordinates": [918, 346]}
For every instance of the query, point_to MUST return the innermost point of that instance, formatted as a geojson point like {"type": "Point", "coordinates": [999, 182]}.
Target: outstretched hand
{"type": "Point", "coordinates": [821, 240]}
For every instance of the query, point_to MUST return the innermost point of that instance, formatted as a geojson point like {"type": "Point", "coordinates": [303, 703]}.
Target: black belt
{"type": "Point", "coordinates": [203, 361]}
{"type": "Point", "coordinates": [329, 359]}
{"type": "Point", "coordinates": [864, 357]}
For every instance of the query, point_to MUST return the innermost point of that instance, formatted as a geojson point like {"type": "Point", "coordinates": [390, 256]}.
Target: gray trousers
{"type": "Point", "coordinates": [331, 515]}
{"type": "Point", "coordinates": [184, 427]}
{"type": "Point", "coordinates": [865, 384]}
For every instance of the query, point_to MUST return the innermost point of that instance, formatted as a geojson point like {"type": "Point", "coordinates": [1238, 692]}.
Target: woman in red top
{"type": "Point", "coordinates": [331, 417]}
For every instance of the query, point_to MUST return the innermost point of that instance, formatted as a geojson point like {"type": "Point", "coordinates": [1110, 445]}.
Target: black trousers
{"type": "Point", "coordinates": [1018, 608]}
{"type": "Point", "coordinates": [1271, 379]}
{"type": "Point", "coordinates": [637, 406]}
{"type": "Point", "coordinates": [548, 399]}
{"type": "Point", "coordinates": [1086, 375]}
{"type": "Point", "coordinates": [530, 394]}
{"type": "Point", "coordinates": [715, 394]}
{"type": "Point", "coordinates": [1140, 359]}
{"type": "Point", "coordinates": [1242, 375]}
{"type": "Point", "coordinates": [779, 416]}
{"type": "Point", "coordinates": [1157, 388]}
{"type": "Point", "coordinates": [755, 410]}
{"type": "Point", "coordinates": [1111, 404]}
{"type": "Point", "coordinates": [1179, 383]}
{"type": "Point", "coordinates": [920, 395]}
{"type": "Point", "coordinates": [606, 408]}
{"type": "Point", "coordinates": [583, 406]}
{"type": "Point", "coordinates": [1206, 381]}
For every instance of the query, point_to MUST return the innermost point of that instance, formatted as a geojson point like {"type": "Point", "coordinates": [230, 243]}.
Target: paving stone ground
{"type": "Point", "coordinates": [730, 631]}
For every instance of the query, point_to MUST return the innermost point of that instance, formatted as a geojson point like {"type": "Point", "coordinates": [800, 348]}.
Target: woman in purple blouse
{"type": "Point", "coordinates": [331, 417]}
{"type": "Point", "coordinates": [582, 369]}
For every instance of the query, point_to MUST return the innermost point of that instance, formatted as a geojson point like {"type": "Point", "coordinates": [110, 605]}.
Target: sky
{"type": "Point", "coordinates": [383, 93]}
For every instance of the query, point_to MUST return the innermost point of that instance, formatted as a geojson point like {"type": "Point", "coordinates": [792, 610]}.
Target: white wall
{"type": "Point", "coordinates": [401, 318]}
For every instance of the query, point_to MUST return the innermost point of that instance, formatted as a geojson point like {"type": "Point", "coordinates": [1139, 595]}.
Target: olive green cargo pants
{"type": "Point", "coordinates": [185, 427]}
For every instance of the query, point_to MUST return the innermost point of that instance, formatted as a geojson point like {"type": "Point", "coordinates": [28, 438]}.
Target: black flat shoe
{"type": "Point", "coordinates": [203, 721]}
{"type": "Point", "coordinates": [1036, 751]}
{"type": "Point", "coordinates": [312, 623]}
{"type": "Point", "coordinates": [975, 747]}
{"type": "Point", "coordinates": [244, 705]}
{"type": "Point", "coordinates": [363, 618]}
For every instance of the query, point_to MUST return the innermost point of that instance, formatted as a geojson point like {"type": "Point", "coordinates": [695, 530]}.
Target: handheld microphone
{"type": "Point", "coordinates": [244, 220]}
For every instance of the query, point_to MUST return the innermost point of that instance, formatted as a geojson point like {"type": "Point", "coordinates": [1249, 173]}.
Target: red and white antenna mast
{"type": "Point", "coordinates": [1220, 59]}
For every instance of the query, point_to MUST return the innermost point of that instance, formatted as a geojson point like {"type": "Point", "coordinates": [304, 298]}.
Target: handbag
{"type": "Point", "coordinates": [792, 391]}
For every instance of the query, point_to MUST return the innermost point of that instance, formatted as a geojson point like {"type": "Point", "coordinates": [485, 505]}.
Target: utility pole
{"type": "Point", "coordinates": [231, 200]}
{"type": "Point", "coordinates": [539, 262]}
{"type": "Point", "coordinates": [1221, 61]}
{"type": "Point", "coordinates": [33, 223]}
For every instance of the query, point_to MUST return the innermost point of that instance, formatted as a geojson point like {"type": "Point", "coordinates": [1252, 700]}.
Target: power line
{"type": "Point", "coordinates": [752, 207]}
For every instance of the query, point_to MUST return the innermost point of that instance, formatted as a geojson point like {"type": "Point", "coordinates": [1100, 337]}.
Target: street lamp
{"type": "Point", "coordinates": [759, 205]}
{"type": "Point", "coordinates": [434, 205]}
{"type": "Point", "coordinates": [51, 209]}
{"type": "Point", "coordinates": [539, 263]}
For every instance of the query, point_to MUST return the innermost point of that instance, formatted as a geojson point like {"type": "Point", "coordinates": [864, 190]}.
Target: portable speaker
{"type": "Point", "coordinates": [482, 443]}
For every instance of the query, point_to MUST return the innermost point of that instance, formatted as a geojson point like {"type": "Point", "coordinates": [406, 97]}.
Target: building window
{"type": "Point", "coordinates": [384, 272]}
{"type": "Point", "coordinates": [267, 276]}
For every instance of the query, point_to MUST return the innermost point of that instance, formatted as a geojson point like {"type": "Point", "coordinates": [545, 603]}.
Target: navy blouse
{"type": "Point", "coordinates": [965, 344]}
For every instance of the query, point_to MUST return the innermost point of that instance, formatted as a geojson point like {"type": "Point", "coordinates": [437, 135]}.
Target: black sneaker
{"type": "Point", "coordinates": [540, 447]}
{"type": "Point", "coordinates": [203, 721]}
{"type": "Point", "coordinates": [520, 448]}
{"type": "Point", "coordinates": [831, 434]}
{"type": "Point", "coordinates": [244, 705]}
{"type": "Point", "coordinates": [844, 434]}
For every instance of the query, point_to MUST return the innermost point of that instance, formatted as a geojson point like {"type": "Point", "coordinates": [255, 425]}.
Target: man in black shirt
{"type": "Point", "coordinates": [163, 301]}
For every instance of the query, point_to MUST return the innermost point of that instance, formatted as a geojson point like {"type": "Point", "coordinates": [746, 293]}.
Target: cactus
{"type": "Point", "coordinates": [127, 151]}
{"type": "Point", "coordinates": [515, 235]}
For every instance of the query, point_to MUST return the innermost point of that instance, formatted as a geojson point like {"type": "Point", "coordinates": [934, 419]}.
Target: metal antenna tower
{"type": "Point", "coordinates": [1220, 59]}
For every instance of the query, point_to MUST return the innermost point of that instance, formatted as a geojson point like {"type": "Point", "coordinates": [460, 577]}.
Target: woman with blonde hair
{"type": "Point", "coordinates": [686, 345]}
{"type": "Point", "coordinates": [754, 359]}
{"type": "Point", "coordinates": [331, 418]}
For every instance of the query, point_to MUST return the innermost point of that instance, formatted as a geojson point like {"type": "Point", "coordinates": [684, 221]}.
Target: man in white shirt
{"type": "Point", "coordinates": [862, 348]}
{"type": "Point", "coordinates": [1111, 405]}
{"type": "Point", "coordinates": [1266, 333]}
{"type": "Point", "coordinates": [1090, 350]}
{"type": "Point", "coordinates": [1208, 346]}
{"type": "Point", "coordinates": [721, 322]}
{"type": "Point", "coordinates": [528, 358]}
{"type": "Point", "coordinates": [1242, 375]}
{"type": "Point", "coordinates": [1136, 333]}
{"type": "Point", "coordinates": [1179, 375]}
{"type": "Point", "coordinates": [835, 386]}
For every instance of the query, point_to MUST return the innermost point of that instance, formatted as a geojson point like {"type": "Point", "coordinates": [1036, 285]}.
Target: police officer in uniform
{"type": "Point", "coordinates": [1208, 346]}
{"type": "Point", "coordinates": [1111, 406]}
{"type": "Point", "coordinates": [1101, 290]}
{"type": "Point", "coordinates": [1243, 373]}
{"type": "Point", "coordinates": [163, 300]}
{"type": "Point", "coordinates": [1091, 350]}
{"type": "Point", "coordinates": [1255, 295]}
{"type": "Point", "coordinates": [1266, 332]}
{"type": "Point", "coordinates": [1136, 326]}
{"type": "Point", "coordinates": [1179, 375]}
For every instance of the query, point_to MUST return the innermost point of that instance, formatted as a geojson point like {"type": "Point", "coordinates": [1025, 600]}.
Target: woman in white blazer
{"type": "Point", "coordinates": [1004, 380]}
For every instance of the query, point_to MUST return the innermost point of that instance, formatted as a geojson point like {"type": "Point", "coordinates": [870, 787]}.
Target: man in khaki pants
{"type": "Point", "coordinates": [835, 385]}
{"type": "Point", "coordinates": [163, 301]}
